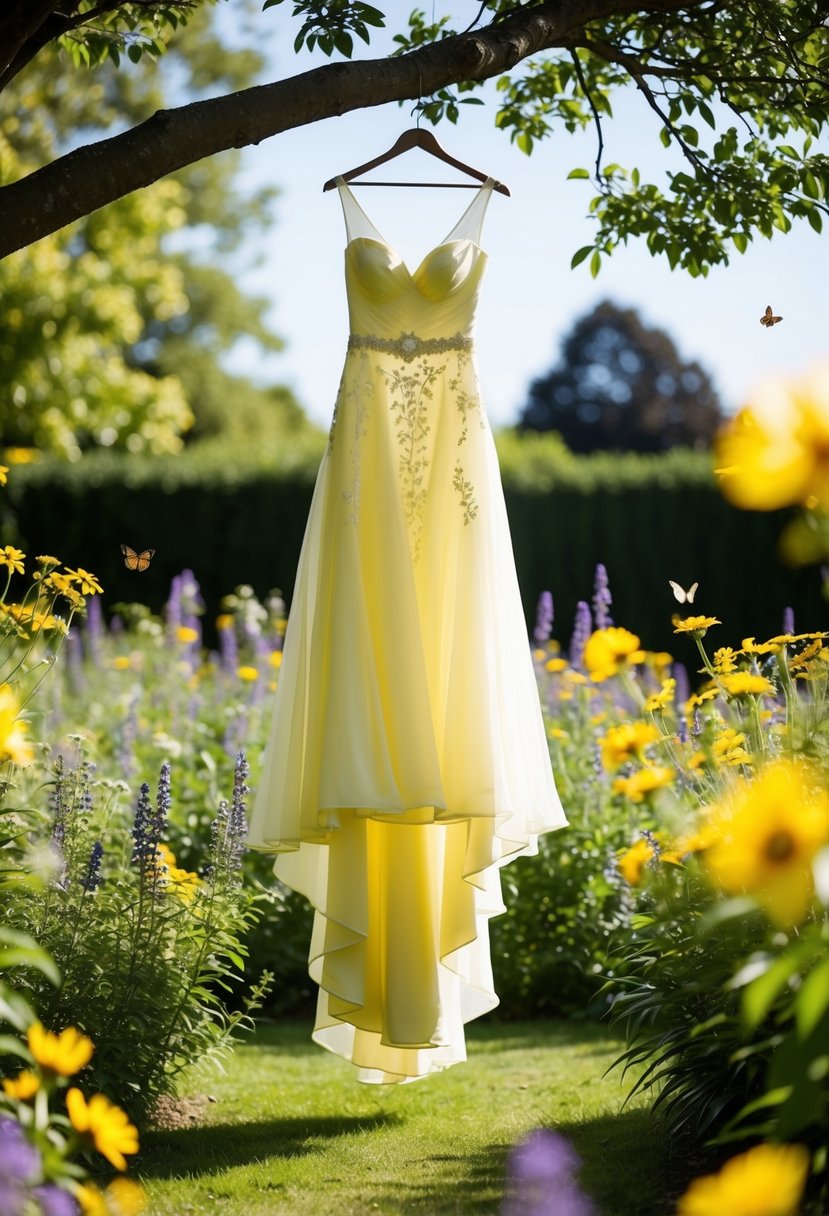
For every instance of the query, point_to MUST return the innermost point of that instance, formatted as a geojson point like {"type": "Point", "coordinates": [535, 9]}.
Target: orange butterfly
{"type": "Point", "coordinates": [136, 561]}
{"type": "Point", "coordinates": [768, 319]}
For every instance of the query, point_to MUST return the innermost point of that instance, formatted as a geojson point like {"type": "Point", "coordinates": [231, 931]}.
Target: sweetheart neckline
{"type": "Point", "coordinates": [463, 240]}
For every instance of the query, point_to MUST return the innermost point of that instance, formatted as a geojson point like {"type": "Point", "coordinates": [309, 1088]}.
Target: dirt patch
{"type": "Point", "coordinates": [169, 1112]}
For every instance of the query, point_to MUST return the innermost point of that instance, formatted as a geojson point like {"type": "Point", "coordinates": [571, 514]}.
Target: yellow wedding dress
{"type": "Point", "coordinates": [407, 759]}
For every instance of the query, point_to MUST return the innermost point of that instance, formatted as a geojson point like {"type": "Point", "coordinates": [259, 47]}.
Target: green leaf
{"type": "Point", "coordinates": [815, 219]}
{"type": "Point", "coordinates": [595, 263]}
{"type": "Point", "coordinates": [705, 111]}
{"type": "Point", "coordinates": [344, 43]}
{"type": "Point", "coordinates": [810, 186]}
{"type": "Point", "coordinates": [813, 999]}
{"type": "Point", "coordinates": [740, 240]}
{"type": "Point", "coordinates": [761, 992]}
{"type": "Point", "coordinates": [581, 173]}
{"type": "Point", "coordinates": [134, 52]}
{"type": "Point", "coordinates": [579, 256]}
{"type": "Point", "coordinates": [525, 142]}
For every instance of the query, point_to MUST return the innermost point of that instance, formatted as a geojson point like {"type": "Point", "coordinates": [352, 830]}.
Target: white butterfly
{"type": "Point", "coordinates": [684, 597]}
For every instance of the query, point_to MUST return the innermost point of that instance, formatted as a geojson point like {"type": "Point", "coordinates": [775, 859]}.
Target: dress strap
{"type": "Point", "coordinates": [357, 223]}
{"type": "Point", "coordinates": [468, 227]}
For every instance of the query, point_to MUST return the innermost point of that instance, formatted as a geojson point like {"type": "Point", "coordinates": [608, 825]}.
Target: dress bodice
{"type": "Point", "coordinates": [436, 300]}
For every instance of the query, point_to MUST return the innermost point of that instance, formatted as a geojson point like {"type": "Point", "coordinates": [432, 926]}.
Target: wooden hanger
{"type": "Point", "coordinates": [416, 138]}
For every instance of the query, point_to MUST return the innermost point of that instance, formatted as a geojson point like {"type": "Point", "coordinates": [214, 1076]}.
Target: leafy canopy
{"type": "Point", "coordinates": [739, 87]}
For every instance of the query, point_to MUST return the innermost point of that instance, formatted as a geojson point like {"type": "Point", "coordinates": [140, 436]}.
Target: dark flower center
{"type": "Point", "coordinates": [780, 846]}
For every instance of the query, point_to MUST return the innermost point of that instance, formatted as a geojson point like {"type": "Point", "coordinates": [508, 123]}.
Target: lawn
{"type": "Point", "coordinates": [291, 1131]}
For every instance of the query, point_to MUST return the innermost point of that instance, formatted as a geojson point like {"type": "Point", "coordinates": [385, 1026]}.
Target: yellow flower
{"type": "Point", "coordinates": [539, 655]}
{"type": "Point", "coordinates": [224, 620]}
{"type": "Point", "coordinates": [123, 1197]}
{"type": "Point", "coordinates": [701, 837]}
{"type": "Point", "coordinates": [779, 447]}
{"type": "Point", "coordinates": [104, 1125]}
{"type": "Point", "coordinates": [46, 560]}
{"type": "Point", "coordinates": [607, 651]}
{"type": "Point", "coordinates": [13, 558]}
{"type": "Point", "coordinates": [281, 625]}
{"type": "Point", "coordinates": [724, 660]}
{"type": "Point", "coordinates": [23, 1087]}
{"type": "Point", "coordinates": [623, 742]}
{"type": "Point", "coordinates": [769, 829]}
{"type": "Point", "coordinates": [13, 744]}
{"type": "Point", "coordinates": [22, 455]}
{"type": "Point", "coordinates": [186, 634]}
{"type": "Point", "coordinates": [122, 662]}
{"type": "Point", "coordinates": [632, 861]}
{"type": "Point", "coordinates": [746, 684]}
{"type": "Point", "coordinates": [88, 583]}
{"type": "Point", "coordinates": [555, 732]}
{"type": "Point", "coordinates": [661, 699]}
{"type": "Point", "coordinates": [184, 882]}
{"type": "Point", "coordinates": [275, 659]}
{"type": "Point", "coordinates": [768, 1180]}
{"type": "Point", "coordinates": [4, 468]}
{"type": "Point", "coordinates": [752, 647]}
{"type": "Point", "coordinates": [697, 625]}
{"type": "Point", "coordinates": [707, 693]}
{"type": "Point", "coordinates": [555, 665]}
{"type": "Point", "coordinates": [643, 783]}
{"type": "Point", "coordinates": [247, 673]}
{"type": "Point", "coordinates": [728, 748]}
{"type": "Point", "coordinates": [63, 585]}
{"type": "Point", "coordinates": [65, 1053]}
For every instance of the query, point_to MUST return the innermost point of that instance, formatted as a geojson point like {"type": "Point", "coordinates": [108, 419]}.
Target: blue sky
{"type": "Point", "coordinates": [530, 297]}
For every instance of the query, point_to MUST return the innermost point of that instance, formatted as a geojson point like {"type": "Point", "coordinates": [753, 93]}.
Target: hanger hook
{"type": "Point", "coordinates": [418, 109]}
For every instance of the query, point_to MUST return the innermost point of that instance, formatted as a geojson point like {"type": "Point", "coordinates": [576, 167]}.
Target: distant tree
{"type": "Point", "coordinates": [621, 385]}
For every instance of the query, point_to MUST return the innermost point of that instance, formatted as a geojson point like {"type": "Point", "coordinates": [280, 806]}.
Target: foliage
{"type": "Point", "coordinates": [624, 510]}
{"type": "Point", "coordinates": [144, 946]}
{"type": "Point", "coordinates": [621, 385]}
{"type": "Point", "coordinates": [741, 92]}
{"type": "Point", "coordinates": [40, 1144]}
{"type": "Point", "coordinates": [114, 332]}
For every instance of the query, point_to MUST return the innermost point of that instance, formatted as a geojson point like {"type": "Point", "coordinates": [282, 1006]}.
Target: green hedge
{"type": "Point", "coordinates": [236, 517]}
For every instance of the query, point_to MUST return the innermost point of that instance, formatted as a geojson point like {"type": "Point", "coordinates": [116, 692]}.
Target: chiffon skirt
{"type": "Point", "coordinates": [407, 759]}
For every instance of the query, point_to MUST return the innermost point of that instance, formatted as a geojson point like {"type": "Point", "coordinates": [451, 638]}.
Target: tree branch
{"type": "Point", "coordinates": [96, 174]}
{"type": "Point", "coordinates": [583, 83]}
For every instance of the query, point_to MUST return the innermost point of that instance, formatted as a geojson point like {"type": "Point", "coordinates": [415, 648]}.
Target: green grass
{"type": "Point", "coordinates": [292, 1132]}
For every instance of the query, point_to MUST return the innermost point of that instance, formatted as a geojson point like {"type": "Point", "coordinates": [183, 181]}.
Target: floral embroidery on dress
{"type": "Point", "coordinates": [467, 495]}
{"type": "Point", "coordinates": [466, 402]}
{"type": "Point", "coordinates": [411, 393]}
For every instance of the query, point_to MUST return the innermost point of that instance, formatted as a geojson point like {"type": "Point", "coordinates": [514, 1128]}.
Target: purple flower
{"type": "Point", "coordinates": [172, 609]}
{"type": "Point", "coordinates": [94, 629]}
{"type": "Point", "coordinates": [238, 824]}
{"type": "Point", "coordinates": [602, 599]}
{"type": "Point", "coordinates": [19, 1166]}
{"type": "Point", "coordinates": [229, 649]}
{"type": "Point", "coordinates": [126, 738]}
{"type": "Point", "coordinates": [541, 1179]}
{"type": "Point", "coordinates": [582, 629]}
{"type": "Point", "coordinates": [683, 685]}
{"type": "Point", "coordinates": [543, 618]}
{"type": "Point", "coordinates": [55, 1202]}
{"type": "Point", "coordinates": [788, 620]}
{"type": "Point", "coordinates": [143, 842]}
{"type": "Point", "coordinates": [92, 877]}
{"type": "Point", "coordinates": [163, 801]}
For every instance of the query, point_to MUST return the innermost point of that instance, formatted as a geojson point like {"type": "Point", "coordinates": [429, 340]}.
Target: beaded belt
{"type": "Point", "coordinates": [408, 346]}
